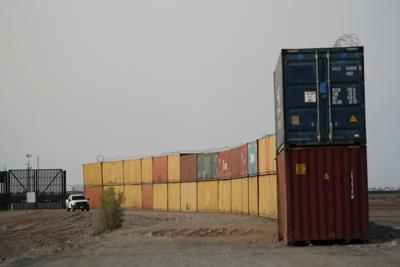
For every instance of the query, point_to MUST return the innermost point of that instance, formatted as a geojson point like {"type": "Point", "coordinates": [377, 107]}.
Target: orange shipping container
{"type": "Point", "coordinates": [132, 171]}
{"type": "Point", "coordinates": [92, 174]}
{"type": "Point", "coordinates": [147, 196]}
{"type": "Point", "coordinates": [160, 169]}
{"type": "Point", "coordinates": [93, 194]}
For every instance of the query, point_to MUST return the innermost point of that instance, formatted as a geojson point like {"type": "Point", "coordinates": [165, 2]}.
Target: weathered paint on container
{"type": "Point", "coordinates": [239, 161]}
{"type": "Point", "coordinates": [92, 174]}
{"type": "Point", "coordinates": [147, 170]}
{"type": "Point", "coordinates": [323, 194]}
{"type": "Point", "coordinates": [133, 171]}
{"type": "Point", "coordinates": [252, 156]}
{"type": "Point", "coordinates": [188, 167]}
{"type": "Point", "coordinates": [207, 196]}
{"type": "Point", "coordinates": [93, 194]}
{"type": "Point", "coordinates": [133, 196]}
{"type": "Point", "coordinates": [113, 173]}
{"type": "Point", "coordinates": [147, 196]}
{"type": "Point", "coordinates": [268, 200]}
{"type": "Point", "coordinates": [174, 196]}
{"type": "Point", "coordinates": [174, 168]}
{"type": "Point", "coordinates": [117, 189]}
{"type": "Point", "coordinates": [237, 196]}
{"type": "Point", "coordinates": [224, 164]}
{"type": "Point", "coordinates": [245, 195]}
{"type": "Point", "coordinates": [263, 159]}
{"type": "Point", "coordinates": [189, 196]}
{"type": "Point", "coordinates": [207, 166]}
{"type": "Point", "coordinates": [253, 195]}
{"type": "Point", "coordinates": [160, 196]}
{"type": "Point", "coordinates": [272, 154]}
{"type": "Point", "coordinates": [160, 169]}
{"type": "Point", "coordinates": [224, 196]}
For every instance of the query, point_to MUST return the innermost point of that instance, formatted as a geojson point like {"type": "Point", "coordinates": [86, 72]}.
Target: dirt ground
{"type": "Point", "coordinates": [151, 238]}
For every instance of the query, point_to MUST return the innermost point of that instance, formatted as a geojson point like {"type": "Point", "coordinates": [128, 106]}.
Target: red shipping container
{"type": "Point", "coordinates": [147, 196]}
{"type": "Point", "coordinates": [241, 161]}
{"type": "Point", "coordinates": [323, 194]}
{"type": "Point", "coordinates": [225, 164]}
{"type": "Point", "coordinates": [160, 169]}
{"type": "Point", "coordinates": [188, 167]}
{"type": "Point", "coordinates": [93, 194]}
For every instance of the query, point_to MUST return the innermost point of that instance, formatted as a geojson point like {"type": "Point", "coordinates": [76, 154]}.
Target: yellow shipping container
{"type": "Point", "coordinates": [92, 174]}
{"type": "Point", "coordinates": [174, 197]}
{"type": "Point", "coordinates": [189, 196]}
{"type": "Point", "coordinates": [207, 196]}
{"type": "Point", "coordinates": [133, 196]}
{"type": "Point", "coordinates": [253, 195]}
{"type": "Point", "coordinates": [224, 204]}
{"type": "Point", "coordinates": [174, 168]}
{"type": "Point", "coordinates": [132, 171]}
{"type": "Point", "coordinates": [237, 196]}
{"type": "Point", "coordinates": [118, 189]}
{"type": "Point", "coordinates": [147, 170]}
{"type": "Point", "coordinates": [268, 196]}
{"type": "Point", "coordinates": [272, 153]}
{"type": "Point", "coordinates": [160, 196]}
{"type": "Point", "coordinates": [245, 195]}
{"type": "Point", "coordinates": [263, 195]}
{"type": "Point", "coordinates": [113, 173]}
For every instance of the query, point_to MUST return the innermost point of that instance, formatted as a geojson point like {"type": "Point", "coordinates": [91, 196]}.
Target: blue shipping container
{"type": "Point", "coordinates": [252, 162]}
{"type": "Point", "coordinates": [319, 97]}
{"type": "Point", "coordinates": [207, 166]}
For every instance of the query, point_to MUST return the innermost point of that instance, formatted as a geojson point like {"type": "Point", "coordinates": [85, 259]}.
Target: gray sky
{"type": "Point", "coordinates": [131, 78]}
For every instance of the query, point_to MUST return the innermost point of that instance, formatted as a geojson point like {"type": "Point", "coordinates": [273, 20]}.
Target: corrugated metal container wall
{"type": "Point", "coordinates": [174, 168]}
{"type": "Point", "coordinates": [189, 196]}
{"type": "Point", "coordinates": [147, 170]}
{"type": "Point", "coordinates": [253, 196]}
{"type": "Point", "coordinates": [174, 197]}
{"type": "Point", "coordinates": [93, 194]}
{"type": "Point", "coordinates": [132, 171]}
{"type": "Point", "coordinates": [117, 189]}
{"type": "Point", "coordinates": [207, 196]}
{"type": "Point", "coordinates": [224, 196]}
{"type": "Point", "coordinates": [189, 168]}
{"type": "Point", "coordinates": [268, 199]}
{"type": "Point", "coordinates": [113, 173]}
{"type": "Point", "coordinates": [160, 169]}
{"type": "Point", "coordinates": [328, 197]}
{"type": "Point", "coordinates": [252, 158]}
{"type": "Point", "coordinates": [237, 196]}
{"type": "Point", "coordinates": [92, 174]}
{"type": "Point", "coordinates": [225, 164]}
{"type": "Point", "coordinates": [245, 195]}
{"type": "Point", "coordinates": [207, 166]}
{"type": "Point", "coordinates": [160, 196]}
{"type": "Point", "coordinates": [239, 162]}
{"type": "Point", "coordinates": [263, 156]}
{"type": "Point", "coordinates": [133, 196]}
{"type": "Point", "coordinates": [272, 154]}
{"type": "Point", "coordinates": [147, 196]}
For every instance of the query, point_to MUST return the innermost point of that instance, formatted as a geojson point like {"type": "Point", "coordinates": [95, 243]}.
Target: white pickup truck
{"type": "Point", "coordinates": [77, 201]}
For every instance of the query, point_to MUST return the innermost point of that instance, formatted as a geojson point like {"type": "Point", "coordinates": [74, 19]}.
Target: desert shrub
{"type": "Point", "coordinates": [111, 211]}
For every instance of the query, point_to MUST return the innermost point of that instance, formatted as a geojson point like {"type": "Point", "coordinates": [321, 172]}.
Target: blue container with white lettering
{"type": "Point", "coordinates": [320, 97]}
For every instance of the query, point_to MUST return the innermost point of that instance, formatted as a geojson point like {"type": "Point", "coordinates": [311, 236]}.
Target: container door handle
{"type": "Point", "coordinates": [317, 84]}
{"type": "Point", "coordinates": [329, 97]}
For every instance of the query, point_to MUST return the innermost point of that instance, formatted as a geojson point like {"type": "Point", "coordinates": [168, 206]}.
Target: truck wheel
{"type": "Point", "coordinates": [67, 209]}
{"type": "Point", "coordinates": [73, 209]}
{"type": "Point", "coordinates": [87, 209]}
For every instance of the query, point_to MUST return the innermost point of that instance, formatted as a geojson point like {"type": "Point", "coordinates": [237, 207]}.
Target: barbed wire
{"type": "Point", "coordinates": [347, 40]}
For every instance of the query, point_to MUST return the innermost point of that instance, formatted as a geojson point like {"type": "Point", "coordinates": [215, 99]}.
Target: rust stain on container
{"type": "Point", "coordinates": [133, 171]}
{"type": "Point", "coordinates": [225, 202]}
{"type": "Point", "coordinates": [207, 196]}
{"type": "Point", "coordinates": [147, 196]}
{"type": "Point", "coordinates": [245, 195]}
{"type": "Point", "coordinates": [253, 195]}
{"type": "Point", "coordinates": [189, 196]}
{"type": "Point", "coordinates": [147, 170]}
{"type": "Point", "coordinates": [312, 207]}
{"type": "Point", "coordinates": [237, 196]}
{"type": "Point", "coordinates": [133, 196]}
{"type": "Point", "coordinates": [188, 167]}
{"type": "Point", "coordinates": [174, 196]}
{"type": "Point", "coordinates": [160, 169]}
{"type": "Point", "coordinates": [113, 173]}
{"type": "Point", "coordinates": [225, 164]}
{"type": "Point", "coordinates": [93, 194]}
{"type": "Point", "coordinates": [174, 169]}
{"type": "Point", "coordinates": [92, 174]}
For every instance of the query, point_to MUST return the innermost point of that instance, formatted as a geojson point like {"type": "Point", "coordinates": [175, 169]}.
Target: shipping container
{"type": "Point", "coordinates": [147, 170]}
{"type": "Point", "coordinates": [266, 155]}
{"type": "Point", "coordinates": [267, 193]}
{"type": "Point", "coordinates": [133, 196]}
{"type": "Point", "coordinates": [323, 194]}
{"type": "Point", "coordinates": [224, 164]}
{"type": "Point", "coordinates": [245, 195]}
{"type": "Point", "coordinates": [207, 166]}
{"type": "Point", "coordinates": [319, 97]}
{"type": "Point", "coordinates": [160, 196]}
{"type": "Point", "coordinates": [174, 196]}
{"type": "Point", "coordinates": [188, 167]}
{"type": "Point", "coordinates": [113, 173]}
{"type": "Point", "coordinates": [272, 154]}
{"type": "Point", "coordinates": [253, 196]}
{"type": "Point", "coordinates": [133, 171]}
{"type": "Point", "coordinates": [160, 169]}
{"type": "Point", "coordinates": [189, 196]}
{"type": "Point", "coordinates": [92, 174]}
{"type": "Point", "coordinates": [118, 189]}
{"type": "Point", "coordinates": [239, 161]}
{"type": "Point", "coordinates": [252, 158]}
{"type": "Point", "coordinates": [174, 168]}
{"type": "Point", "coordinates": [237, 196]}
{"type": "Point", "coordinates": [93, 194]}
{"type": "Point", "coordinates": [224, 196]}
{"type": "Point", "coordinates": [147, 196]}
{"type": "Point", "coordinates": [207, 196]}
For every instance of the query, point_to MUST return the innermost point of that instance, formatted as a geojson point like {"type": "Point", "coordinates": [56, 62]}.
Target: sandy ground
{"type": "Point", "coordinates": [151, 238]}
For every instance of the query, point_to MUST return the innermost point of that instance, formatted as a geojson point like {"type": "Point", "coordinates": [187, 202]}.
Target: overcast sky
{"type": "Point", "coordinates": [132, 78]}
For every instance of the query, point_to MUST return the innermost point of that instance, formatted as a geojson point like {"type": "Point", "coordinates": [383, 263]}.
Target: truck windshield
{"type": "Point", "coordinates": [78, 198]}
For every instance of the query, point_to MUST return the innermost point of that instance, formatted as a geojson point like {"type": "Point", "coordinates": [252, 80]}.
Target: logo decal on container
{"type": "Point", "coordinates": [326, 176]}
{"type": "Point", "coordinates": [353, 119]}
{"type": "Point", "coordinates": [301, 169]}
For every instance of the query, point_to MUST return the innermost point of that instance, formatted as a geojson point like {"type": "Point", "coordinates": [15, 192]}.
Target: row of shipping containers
{"type": "Point", "coordinates": [252, 159]}
{"type": "Point", "coordinates": [250, 195]}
